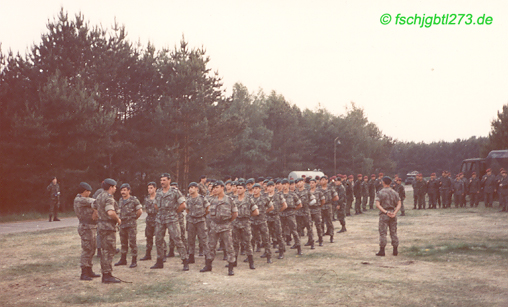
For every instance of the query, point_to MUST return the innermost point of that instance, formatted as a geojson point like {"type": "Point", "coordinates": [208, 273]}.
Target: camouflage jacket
{"type": "Point", "coordinates": [306, 197]}
{"type": "Point", "coordinates": [341, 192]}
{"type": "Point", "coordinates": [433, 186]}
{"type": "Point", "coordinates": [197, 208]}
{"type": "Point", "coordinates": [458, 187]}
{"type": "Point", "coordinates": [372, 187]}
{"type": "Point", "coordinates": [388, 199]}
{"type": "Point", "coordinates": [489, 183]}
{"type": "Point", "coordinates": [329, 194]}
{"type": "Point", "coordinates": [378, 183]}
{"type": "Point", "coordinates": [54, 190]}
{"type": "Point", "coordinates": [399, 188]}
{"type": "Point", "coordinates": [83, 207]}
{"type": "Point", "coordinates": [277, 201]}
{"type": "Point", "coordinates": [150, 209]}
{"type": "Point", "coordinates": [357, 188]}
{"type": "Point", "coordinates": [245, 208]}
{"type": "Point", "coordinates": [202, 189]}
{"type": "Point", "coordinates": [128, 209]}
{"type": "Point", "coordinates": [292, 200]}
{"type": "Point", "coordinates": [474, 185]}
{"type": "Point", "coordinates": [263, 203]}
{"type": "Point", "coordinates": [221, 212]}
{"type": "Point", "coordinates": [365, 188]}
{"type": "Point", "coordinates": [420, 187]}
{"type": "Point", "coordinates": [104, 203]}
{"type": "Point", "coordinates": [168, 203]}
{"type": "Point", "coordinates": [503, 186]}
{"type": "Point", "coordinates": [318, 195]}
{"type": "Point", "coordinates": [445, 183]}
{"type": "Point", "coordinates": [349, 189]}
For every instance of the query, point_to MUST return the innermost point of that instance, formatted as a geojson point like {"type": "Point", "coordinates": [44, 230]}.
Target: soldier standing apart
{"type": "Point", "coordinates": [433, 191]}
{"type": "Point", "coordinates": [222, 213]}
{"type": "Point", "coordinates": [503, 186]}
{"type": "Point", "coordinates": [303, 214]}
{"type": "Point", "coordinates": [170, 202]}
{"type": "Point", "coordinates": [357, 189]}
{"type": "Point", "coordinates": [349, 194]}
{"type": "Point", "coordinates": [264, 205]}
{"type": "Point", "coordinates": [54, 199]}
{"type": "Point", "coordinates": [151, 211]}
{"type": "Point", "coordinates": [87, 229]}
{"type": "Point", "coordinates": [365, 192]}
{"type": "Point", "coordinates": [488, 183]}
{"type": "Point", "coordinates": [202, 186]}
{"type": "Point", "coordinates": [288, 216]}
{"type": "Point", "coordinates": [197, 209]}
{"type": "Point", "coordinates": [474, 190]}
{"type": "Point", "coordinates": [341, 204]}
{"type": "Point", "coordinates": [130, 211]}
{"type": "Point", "coordinates": [326, 211]}
{"type": "Point", "coordinates": [399, 188]}
{"type": "Point", "coordinates": [388, 203]}
{"type": "Point", "coordinates": [242, 234]}
{"type": "Point", "coordinates": [273, 217]}
{"type": "Point", "coordinates": [372, 191]}
{"type": "Point", "coordinates": [107, 209]}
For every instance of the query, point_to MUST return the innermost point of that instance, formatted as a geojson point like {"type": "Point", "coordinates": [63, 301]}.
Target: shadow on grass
{"type": "Point", "coordinates": [444, 251]}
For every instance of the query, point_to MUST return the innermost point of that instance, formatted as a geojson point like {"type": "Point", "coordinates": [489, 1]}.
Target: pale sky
{"type": "Point", "coordinates": [417, 84]}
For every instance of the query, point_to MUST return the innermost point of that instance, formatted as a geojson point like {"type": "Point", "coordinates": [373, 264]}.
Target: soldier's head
{"type": "Point", "coordinates": [473, 175]}
{"type": "Point", "coordinates": [165, 181]}
{"type": "Point", "coordinates": [249, 183]}
{"type": "Point", "coordinates": [152, 188]}
{"type": "Point", "coordinates": [270, 187]}
{"type": "Point", "coordinates": [323, 181]}
{"type": "Point", "coordinates": [399, 180]}
{"type": "Point", "coordinates": [228, 185]}
{"type": "Point", "coordinates": [109, 185]}
{"type": "Point", "coordinates": [373, 176]}
{"type": "Point", "coordinates": [202, 179]}
{"type": "Point", "coordinates": [85, 189]}
{"type": "Point", "coordinates": [174, 185]}
{"type": "Point", "coordinates": [433, 176]}
{"type": "Point", "coordinates": [53, 180]}
{"type": "Point", "coordinates": [125, 190]}
{"type": "Point", "coordinates": [386, 181]}
{"type": "Point", "coordinates": [193, 188]}
{"type": "Point", "coordinates": [256, 189]}
{"type": "Point", "coordinates": [285, 185]}
{"type": "Point", "coordinates": [313, 183]}
{"type": "Point", "coordinates": [233, 186]}
{"type": "Point", "coordinates": [299, 183]}
{"type": "Point", "coordinates": [240, 188]}
{"type": "Point", "coordinates": [292, 185]}
{"type": "Point", "coordinates": [218, 188]}
{"type": "Point", "coordinates": [461, 175]}
{"type": "Point", "coordinates": [365, 178]}
{"type": "Point", "coordinates": [338, 181]}
{"type": "Point", "coordinates": [278, 185]}
{"type": "Point", "coordinates": [503, 173]}
{"type": "Point", "coordinates": [359, 176]}
{"type": "Point", "coordinates": [380, 175]}
{"type": "Point", "coordinates": [395, 177]}
{"type": "Point", "coordinates": [419, 177]}
{"type": "Point", "coordinates": [350, 178]}
{"type": "Point", "coordinates": [489, 171]}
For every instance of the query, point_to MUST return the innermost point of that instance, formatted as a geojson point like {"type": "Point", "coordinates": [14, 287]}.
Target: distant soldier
{"type": "Point", "coordinates": [181, 223]}
{"type": "Point", "coordinates": [445, 183]}
{"type": "Point", "coordinates": [372, 191]}
{"type": "Point", "coordinates": [388, 203]}
{"type": "Point", "coordinates": [202, 186]}
{"type": "Point", "coordinates": [264, 205]}
{"type": "Point", "coordinates": [151, 211]}
{"type": "Point", "coordinates": [503, 186]}
{"type": "Point", "coordinates": [303, 214]}
{"type": "Point", "coordinates": [222, 213]}
{"type": "Point", "coordinates": [433, 191]}
{"type": "Point", "coordinates": [288, 216]}
{"type": "Point", "coordinates": [341, 204]}
{"type": "Point", "coordinates": [107, 209]}
{"type": "Point", "coordinates": [87, 215]}
{"type": "Point", "coordinates": [315, 209]}
{"type": "Point", "coordinates": [474, 190]}
{"type": "Point", "coordinates": [365, 192]}
{"type": "Point", "coordinates": [357, 190]}
{"type": "Point", "coordinates": [242, 234]}
{"type": "Point", "coordinates": [273, 217]}
{"type": "Point", "coordinates": [488, 183]}
{"type": "Point", "coordinates": [399, 188]}
{"type": "Point", "coordinates": [170, 202]}
{"type": "Point", "coordinates": [379, 182]}
{"type": "Point", "coordinates": [330, 196]}
{"type": "Point", "coordinates": [349, 185]}
{"type": "Point", "coordinates": [458, 191]}
{"type": "Point", "coordinates": [99, 248]}
{"type": "Point", "coordinates": [197, 209]}
{"type": "Point", "coordinates": [420, 191]}
{"type": "Point", "coordinates": [54, 199]}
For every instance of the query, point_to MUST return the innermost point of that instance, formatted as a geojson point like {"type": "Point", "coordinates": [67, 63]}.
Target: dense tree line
{"type": "Point", "coordinates": [86, 103]}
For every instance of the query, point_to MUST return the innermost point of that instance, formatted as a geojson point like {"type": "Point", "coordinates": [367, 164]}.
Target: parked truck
{"type": "Point", "coordinates": [495, 160]}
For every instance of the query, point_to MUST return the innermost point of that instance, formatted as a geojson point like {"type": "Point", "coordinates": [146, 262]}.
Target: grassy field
{"type": "Point", "coordinates": [447, 257]}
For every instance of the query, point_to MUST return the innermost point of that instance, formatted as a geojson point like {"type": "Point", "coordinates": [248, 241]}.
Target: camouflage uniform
{"type": "Point", "coordinates": [242, 234]}
{"type": "Point", "coordinates": [458, 192]}
{"type": "Point", "coordinates": [315, 213]}
{"type": "Point", "coordinates": [349, 185]}
{"type": "Point", "coordinates": [202, 189]}
{"type": "Point", "coordinates": [107, 230]}
{"type": "Point", "coordinates": [388, 200]}
{"type": "Point", "coordinates": [196, 222]}
{"type": "Point", "coordinates": [221, 212]}
{"type": "Point", "coordinates": [287, 216]}
{"type": "Point", "coordinates": [365, 194]}
{"type": "Point", "coordinates": [372, 192]}
{"type": "Point", "coordinates": [150, 222]}
{"type": "Point", "coordinates": [357, 190]}
{"type": "Point", "coordinates": [326, 210]}
{"type": "Point", "coordinates": [87, 229]}
{"type": "Point", "coordinates": [488, 183]}
{"type": "Point", "coordinates": [341, 192]}
{"type": "Point", "coordinates": [433, 190]}
{"type": "Point", "coordinates": [445, 187]}
{"type": "Point", "coordinates": [167, 218]}
{"type": "Point", "coordinates": [273, 219]}
{"type": "Point", "coordinates": [181, 223]}
{"type": "Point", "coordinates": [95, 195]}
{"type": "Point", "coordinates": [128, 228]}
{"type": "Point", "coordinates": [474, 189]}
{"type": "Point", "coordinates": [399, 188]}
{"type": "Point", "coordinates": [503, 187]}
{"type": "Point", "coordinates": [303, 214]}
{"type": "Point", "coordinates": [259, 224]}
{"type": "Point", "coordinates": [54, 198]}
{"type": "Point", "coordinates": [420, 189]}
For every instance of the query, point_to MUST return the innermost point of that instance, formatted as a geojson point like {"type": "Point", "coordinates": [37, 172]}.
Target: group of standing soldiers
{"type": "Point", "coordinates": [440, 190]}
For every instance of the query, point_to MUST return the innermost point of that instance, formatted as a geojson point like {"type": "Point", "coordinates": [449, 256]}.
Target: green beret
{"type": "Point", "coordinates": [85, 186]}
{"type": "Point", "coordinates": [250, 180]}
{"type": "Point", "coordinates": [125, 185]}
{"type": "Point", "coordinates": [257, 185]}
{"type": "Point", "coordinates": [110, 182]}
{"type": "Point", "coordinates": [193, 184]}
{"type": "Point", "coordinates": [284, 181]}
{"type": "Point", "coordinates": [270, 183]}
{"type": "Point", "coordinates": [218, 182]}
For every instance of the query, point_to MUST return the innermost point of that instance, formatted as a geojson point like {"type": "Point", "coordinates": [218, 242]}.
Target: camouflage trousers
{"type": "Point", "coordinates": [242, 235]}
{"type": "Point", "coordinates": [365, 200]}
{"type": "Point", "coordinates": [358, 205]}
{"type": "Point", "coordinates": [128, 239]}
{"type": "Point", "coordinates": [349, 204]}
{"type": "Point", "coordinates": [54, 205]}
{"type": "Point", "coordinates": [432, 200]}
{"type": "Point", "coordinates": [227, 237]}
{"type": "Point", "coordinates": [420, 200]}
{"type": "Point", "coordinates": [174, 233]}
{"type": "Point", "coordinates": [402, 210]}
{"type": "Point", "coordinates": [88, 244]}
{"type": "Point", "coordinates": [262, 230]}
{"type": "Point", "coordinates": [149, 234]}
{"type": "Point", "coordinates": [315, 216]}
{"type": "Point", "coordinates": [275, 229]}
{"type": "Point", "coordinates": [385, 223]}
{"type": "Point", "coordinates": [304, 222]}
{"type": "Point", "coordinates": [108, 245]}
{"type": "Point", "coordinates": [372, 197]}
{"type": "Point", "coordinates": [197, 229]}
{"type": "Point", "coordinates": [326, 215]}
{"type": "Point", "coordinates": [181, 223]}
{"type": "Point", "coordinates": [342, 215]}
{"type": "Point", "coordinates": [290, 223]}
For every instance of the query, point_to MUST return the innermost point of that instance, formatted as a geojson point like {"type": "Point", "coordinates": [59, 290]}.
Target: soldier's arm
{"type": "Point", "coordinates": [138, 213]}
{"type": "Point", "coordinates": [378, 205]}
{"type": "Point", "coordinates": [269, 208]}
{"type": "Point", "coordinates": [396, 209]}
{"type": "Point", "coordinates": [235, 215]}
{"type": "Point", "coordinates": [299, 205]}
{"type": "Point", "coordinates": [112, 214]}
{"type": "Point", "coordinates": [181, 207]}
{"type": "Point", "coordinates": [255, 212]}
{"type": "Point", "coordinates": [283, 207]}
{"type": "Point", "coordinates": [95, 215]}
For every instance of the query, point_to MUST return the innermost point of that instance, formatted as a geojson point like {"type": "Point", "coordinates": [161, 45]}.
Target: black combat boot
{"type": "Point", "coordinates": [158, 265]}
{"type": "Point", "coordinates": [50, 216]}
{"type": "Point", "coordinates": [288, 240]}
{"type": "Point", "coordinates": [331, 239]}
{"type": "Point", "coordinates": [191, 258]}
{"type": "Point", "coordinates": [293, 247]}
{"type": "Point", "coordinates": [312, 245]}
{"type": "Point", "coordinates": [246, 259]}
{"type": "Point", "coordinates": [201, 251]}
{"type": "Point", "coordinates": [171, 252]}
{"type": "Point", "coordinates": [234, 263]}
{"type": "Point", "coordinates": [343, 229]}
{"type": "Point", "coordinates": [264, 255]}
{"type": "Point", "coordinates": [281, 255]}
{"type": "Point", "coordinates": [251, 262]}
{"type": "Point", "coordinates": [147, 256]}
{"type": "Point", "coordinates": [308, 243]}
{"type": "Point", "coordinates": [320, 241]}
{"type": "Point", "coordinates": [225, 256]}
{"type": "Point", "coordinates": [268, 259]}
{"type": "Point", "coordinates": [84, 274]}
{"type": "Point", "coordinates": [258, 248]}
{"type": "Point", "coordinates": [186, 264]}
{"type": "Point", "coordinates": [134, 262]}
{"type": "Point", "coordinates": [107, 278]}
{"type": "Point", "coordinates": [208, 266]}
{"type": "Point", "coordinates": [395, 250]}
{"type": "Point", "coordinates": [230, 269]}
{"type": "Point", "coordinates": [381, 252]}
{"type": "Point", "coordinates": [55, 218]}
{"type": "Point", "coordinates": [299, 249]}
{"type": "Point", "coordinates": [92, 273]}
{"type": "Point", "coordinates": [123, 260]}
